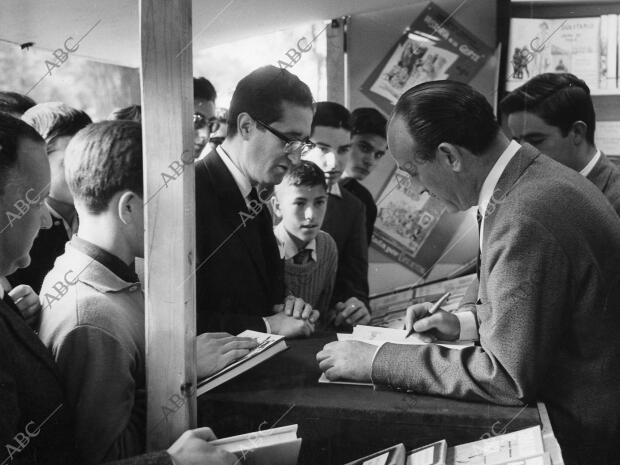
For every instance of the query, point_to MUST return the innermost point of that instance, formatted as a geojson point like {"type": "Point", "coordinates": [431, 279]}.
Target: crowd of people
{"type": "Point", "coordinates": [283, 226]}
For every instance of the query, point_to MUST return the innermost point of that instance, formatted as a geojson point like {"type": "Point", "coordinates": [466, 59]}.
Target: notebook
{"type": "Point", "coordinates": [268, 346]}
{"type": "Point", "coordinates": [277, 446]}
{"type": "Point", "coordinates": [432, 454]}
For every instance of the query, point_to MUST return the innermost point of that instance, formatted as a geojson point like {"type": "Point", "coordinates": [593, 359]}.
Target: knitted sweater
{"type": "Point", "coordinates": [314, 281]}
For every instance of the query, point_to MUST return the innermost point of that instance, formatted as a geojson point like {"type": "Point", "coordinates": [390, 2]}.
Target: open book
{"type": "Point", "coordinates": [268, 346]}
{"type": "Point", "coordinates": [379, 336]}
{"type": "Point", "coordinates": [277, 446]}
{"type": "Point", "coordinates": [524, 447]}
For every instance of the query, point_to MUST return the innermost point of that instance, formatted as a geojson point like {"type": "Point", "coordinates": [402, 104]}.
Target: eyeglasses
{"type": "Point", "coordinates": [294, 147]}
{"type": "Point", "coordinates": [200, 121]}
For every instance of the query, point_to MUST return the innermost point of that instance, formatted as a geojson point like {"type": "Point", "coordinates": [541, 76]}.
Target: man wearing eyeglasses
{"type": "Point", "coordinates": [240, 274]}
{"type": "Point", "coordinates": [205, 122]}
{"type": "Point", "coordinates": [368, 145]}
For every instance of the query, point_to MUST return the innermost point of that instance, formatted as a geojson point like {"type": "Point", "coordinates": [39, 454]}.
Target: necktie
{"type": "Point", "coordinates": [302, 257]}
{"type": "Point", "coordinates": [478, 262]}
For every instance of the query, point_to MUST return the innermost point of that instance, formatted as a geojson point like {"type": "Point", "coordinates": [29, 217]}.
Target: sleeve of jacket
{"type": "Point", "coordinates": [527, 286]}
{"type": "Point", "coordinates": [110, 413]}
{"type": "Point", "coordinates": [352, 274]}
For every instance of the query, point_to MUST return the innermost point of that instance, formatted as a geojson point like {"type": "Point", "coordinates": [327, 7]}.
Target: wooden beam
{"type": "Point", "coordinates": [167, 130]}
{"type": "Point", "coordinates": [335, 62]}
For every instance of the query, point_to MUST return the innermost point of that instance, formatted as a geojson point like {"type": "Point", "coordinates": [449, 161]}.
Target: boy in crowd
{"type": "Point", "coordinates": [15, 104]}
{"type": "Point", "coordinates": [554, 113]}
{"type": "Point", "coordinates": [95, 329]}
{"type": "Point", "coordinates": [368, 145]}
{"type": "Point", "coordinates": [345, 219]}
{"type": "Point", "coordinates": [310, 254]}
{"type": "Point", "coordinates": [30, 388]}
{"type": "Point", "coordinates": [57, 123]}
{"type": "Point", "coordinates": [239, 272]}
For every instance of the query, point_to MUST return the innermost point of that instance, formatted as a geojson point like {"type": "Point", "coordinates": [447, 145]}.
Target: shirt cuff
{"type": "Point", "coordinates": [469, 327]}
{"type": "Point", "coordinates": [373, 361]}
{"type": "Point", "coordinates": [267, 326]}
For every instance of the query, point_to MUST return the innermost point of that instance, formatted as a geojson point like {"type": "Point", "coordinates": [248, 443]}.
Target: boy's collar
{"type": "Point", "coordinates": [288, 246]}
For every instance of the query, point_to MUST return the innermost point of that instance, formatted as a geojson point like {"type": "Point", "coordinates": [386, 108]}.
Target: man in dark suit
{"type": "Point", "coordinates": [554, 113]}
{"type": "Point", "coordinates": [345, 218]}
{"type": "Point", "coordinates": [36, 425]}
{"type": "Point", "coordinates": [57, 123]}
{"type": "Point", "coordinates": [546, 316]}
{"type": "Point", "coordinates": [240, 273]}
{"type": "Point", "coordinates": [368, 145]}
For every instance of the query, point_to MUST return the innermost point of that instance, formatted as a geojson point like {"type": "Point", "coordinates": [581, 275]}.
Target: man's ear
{"type": "Point", "coordinates": [127, 207]}
{"type": "Point", "coordinates": [450, 156]}
{"type": "Point", "coordinates": [275, 205]}
{"type": "Point", "coordinates": [245, 125]}
{"type": "Point", "coordinates": [578, 131]}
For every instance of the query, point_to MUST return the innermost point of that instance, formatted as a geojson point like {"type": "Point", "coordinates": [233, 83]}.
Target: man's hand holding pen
{"type": "Point", "coordinates": [431, 322]}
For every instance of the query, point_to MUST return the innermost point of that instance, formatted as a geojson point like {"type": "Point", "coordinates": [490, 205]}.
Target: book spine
{"type": "Point", "coordinates": [617, 47]}
{"type": "Point", "coordinates": [612, 52]}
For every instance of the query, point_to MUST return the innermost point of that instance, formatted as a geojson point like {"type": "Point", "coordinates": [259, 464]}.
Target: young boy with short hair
{"type": "Point", "coordinates": [311, 256]}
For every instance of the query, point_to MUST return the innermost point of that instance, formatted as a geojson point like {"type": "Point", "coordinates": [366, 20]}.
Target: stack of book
{"type": "Point", "coordinates": [525, 447]}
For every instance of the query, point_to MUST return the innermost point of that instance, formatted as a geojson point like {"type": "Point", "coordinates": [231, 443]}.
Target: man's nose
{"type": "Point", "coordinates": [309, 213]}
{"type": "Point", "coordinates": [329, 160]}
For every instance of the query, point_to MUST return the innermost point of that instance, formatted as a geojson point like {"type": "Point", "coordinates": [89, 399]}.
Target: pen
{"type": "Point", "coordinates": [432, 310]}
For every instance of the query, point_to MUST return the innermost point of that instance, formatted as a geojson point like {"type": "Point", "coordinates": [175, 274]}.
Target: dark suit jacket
{"type": "Point", "coordinates": [240, 273]}
{"type": "Point", "coordinates": [359, 191]}
{"type": "Point", "coordinates": [606, 176]}
{"type": "Point", "coordinates": [345, 221]}
{"type": "Point", "coordinates": [548, 311]}
{"type": "Point", "coordinates": [31, 391]}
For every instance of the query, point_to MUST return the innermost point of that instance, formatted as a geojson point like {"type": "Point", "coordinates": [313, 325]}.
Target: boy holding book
{"type": "Point", "coordinates": [311, 256]}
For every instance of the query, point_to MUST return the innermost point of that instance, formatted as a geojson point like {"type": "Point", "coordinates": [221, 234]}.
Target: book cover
{"type": "Point", "coordinates": [432, 454]}
{"type": "Point", "coordinates": [268, 346]}
{"type": "Point", "coordinates": [277, 446]}
{"type": "Point", "coordinates": [394, 455]}
{"type": "Point", "coordinates": [539, 46]}
{"type": "Point", "coordinates": [612, 52]}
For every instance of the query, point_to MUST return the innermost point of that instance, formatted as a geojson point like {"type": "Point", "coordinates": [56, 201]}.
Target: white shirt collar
{"type": "Point", "coordinates": [2, 290]}
{"type": "Point", "coordinates": [242, 181]}
{"type": "Point", "coordinates": [488, 187]}
{"type": "Point", "coordinates": [588, 168]}
{"type": "Point", "coordinates": [334, 189]}
{"type": "Point", "coordinates": [288, 248]}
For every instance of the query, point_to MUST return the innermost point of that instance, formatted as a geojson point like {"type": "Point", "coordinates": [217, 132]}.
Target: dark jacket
{"type": "Point", "coordinates": [345, 221]}
{"type": "Point", "coordinates": [240, 275]}
{"type": "Point", "coordinates": [32, 401]}
{"type": "Point", "coordinates": [359, 191]}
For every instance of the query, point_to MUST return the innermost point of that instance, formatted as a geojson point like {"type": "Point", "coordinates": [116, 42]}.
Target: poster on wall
{"type": "Point", "coordinates": [539, 46]}
{"type": "Point", "coordinates": [405, 220]}
{"type": "Point", "coordinates": [434, 47]}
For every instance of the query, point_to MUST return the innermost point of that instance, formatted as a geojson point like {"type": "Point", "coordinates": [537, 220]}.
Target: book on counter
{"type": "Point", "coordinates": [277, 446]}
{"type": "Point", "coordinates": [524, 447]}
{"type": "Point", "coordinates": [268, 346]}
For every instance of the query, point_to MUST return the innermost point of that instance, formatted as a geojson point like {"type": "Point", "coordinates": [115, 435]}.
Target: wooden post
{"type": "Point", "coordinates": [167, 130]}
{"type": "Point", "coordinates": [336, 78]}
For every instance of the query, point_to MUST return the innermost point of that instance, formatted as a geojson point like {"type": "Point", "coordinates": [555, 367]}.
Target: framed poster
{"type": "Point", "coordinates": [434, 47]}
